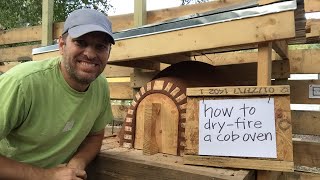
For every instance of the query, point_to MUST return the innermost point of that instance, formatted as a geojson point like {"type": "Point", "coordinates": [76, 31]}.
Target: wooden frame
{"type": "Point", "coordinates": [284, 160]}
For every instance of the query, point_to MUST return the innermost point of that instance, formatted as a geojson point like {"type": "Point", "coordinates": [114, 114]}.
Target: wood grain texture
{"type": "Point", "coordinates": [264, 64]}
{"type": "Point", "coordinates": [120, 163]}
{"type": "Point", "coordinates": [306, 122]}
{"type": "Point", "coordinates": [239, 163]}
{"type": "Point", "coordinates": [151, 116]}
{"type": "Point", "coordinates": [239, 91]}
{"type": "Point", "coordinates": [166, 127]}
{"type": "Point", "coordinates": [267, 28]}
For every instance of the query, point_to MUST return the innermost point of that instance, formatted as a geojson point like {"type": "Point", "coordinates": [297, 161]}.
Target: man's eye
{"type": "Point", "coordinates": [80, 43]}
{"type": "Point", "coordinates": [101, 47]}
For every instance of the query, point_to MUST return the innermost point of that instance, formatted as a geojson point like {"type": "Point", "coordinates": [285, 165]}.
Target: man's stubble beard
{"type": "Point", "coordinates": [73, 74]}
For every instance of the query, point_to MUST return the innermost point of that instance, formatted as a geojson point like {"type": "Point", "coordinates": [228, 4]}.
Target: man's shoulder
{"type": "Point", "coordinates": [33, 67]}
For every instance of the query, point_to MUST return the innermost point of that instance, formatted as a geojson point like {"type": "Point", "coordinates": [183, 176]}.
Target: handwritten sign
{"type": "Point", "coordinates": [237, 127]}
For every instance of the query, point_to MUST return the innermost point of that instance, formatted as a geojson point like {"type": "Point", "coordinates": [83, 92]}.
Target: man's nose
{"type": "Point", "coordinates": [90, 52]}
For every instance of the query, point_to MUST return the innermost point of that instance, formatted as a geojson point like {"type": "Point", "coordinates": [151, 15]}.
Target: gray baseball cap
{"type": "Point", "coordinates": [83, 21]}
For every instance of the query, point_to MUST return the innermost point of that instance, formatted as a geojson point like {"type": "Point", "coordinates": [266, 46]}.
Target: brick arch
{"type": "Point", "coordinates": [172, 88]}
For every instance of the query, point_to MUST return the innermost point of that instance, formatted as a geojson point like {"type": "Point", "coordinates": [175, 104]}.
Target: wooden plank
{"type": "Point", "coordinates": [47, 55]}
{"type": "Point", "coordinates": [125, 93]}
{"type": "Point", "coordinates": [264, 64]}
{"type": "Point", "coordinates": [281, 48]}
{"type": "Point", "coordinates": [280, 26]}
{"type": "Point", "coordinates": [306, 122]}
{"type": "Point", "coordinates": [300, 176]}
{"type": "Point", "coordinates": [17, 53]}
{"type": "Point", "coordinates": [238, 91]}
{"type": "Point", "coordinates": [47, 22]}
{"type": "Point", "coordinates": [142, 64]}
{"type": "Point", "coordinates": [313, 28]}
{"type": "Point", "coordinates": [299, 90]}
{"type": "Point", "coordinates": [306, 153]}
{"type": "Point", "coordinates": [120, 163]}
{"type": "Point", "coordinates": [28, 34]}
{"type": "Point", "coordinates": [264, 2]}
{"type": "Point", "coordinates": [283, 132]}
{"type": "Point", "coordinates": [312, 5]}
{"type": "Point", "coordinates": [268, 175]}
{"type": "Point", "coordinates": [239, 163]}
{"type": "Point", "coordinates": [139, 78]}
{"type": "Point", "coordinates": [151, 116]}
{"type": "Point", "coordinates": [301, 61]}
{"type": "Point", "coordinates": [304, 61]}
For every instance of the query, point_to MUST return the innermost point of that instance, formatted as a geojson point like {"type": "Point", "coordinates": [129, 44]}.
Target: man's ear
{"type": "Point", "coordinates": [61, 45]}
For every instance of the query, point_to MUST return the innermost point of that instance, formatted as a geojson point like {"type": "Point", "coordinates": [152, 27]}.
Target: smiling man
{"type": "Point", "coordinates": [54, 112]}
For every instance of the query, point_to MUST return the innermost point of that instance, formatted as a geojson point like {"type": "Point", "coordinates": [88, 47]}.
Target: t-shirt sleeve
{"type": "Point", "coordinates": [106, 115]}
{"type": "Point", "coordinates": [12, 104]}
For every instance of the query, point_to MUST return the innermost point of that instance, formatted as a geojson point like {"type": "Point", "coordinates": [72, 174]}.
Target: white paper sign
{"type": "Point", "coordinates": [237, 127]}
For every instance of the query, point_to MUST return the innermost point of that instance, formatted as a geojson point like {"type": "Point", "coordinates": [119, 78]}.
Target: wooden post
{"type": "Point", "coordinates": [264, 64]}
{"type": "Point", "coordinates": [140, 19]}
{"type": "Point", "coordinates": [140, 12]}
{"type": "Point", "coordinates": [47, 22]}
{"type": "Point", "coordinates": [151, 115]}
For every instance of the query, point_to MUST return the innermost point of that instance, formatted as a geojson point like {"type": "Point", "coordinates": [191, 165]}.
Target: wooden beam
{"type": "Point", "coordinates": [140, 78]}
{"type": "Point", "coordinates": [27, 34]}
{"type": "Point", "coordinates": [281, 48]}
{"type": "Point", "coordinates": [313, 28]}
{"type": "Point", "coordinates": [47, 22]}
{"type": "Point", "coordinates": [239, 163]}
{"type": "Point", "coordinates": [118, 163]}
{"type": "Point", "coordinates": [312, 5]}
{"type": "Point", "coordinates": [306, 122]}
{"type": "Point", "coordinates": [264, 64]}
{"type": "Point", "coordinates": [268, 175]}
{"type": "Point", "coordinates": [119, 22]}
{"type": "Point", "coordinates": [264, 2]}
{"type": "Point", "coordinates": [140, 12]}
{"type": "Point", "coordinates": [238, 91]}
{"type": "Point", "coordinates": [306, 153]}
{"type": "Point", "coordinates": [141, 64]}
{"type": "Point", "coordinates": [197, 39]}
{"type": "Point", "coordinates": [299, 90]}
{"type": "Point", "coordinates": [125, 93]}
{"type": "Point", "coordinates": [300, 176]}
{"type": "Point", "coordinates": [15, 54]}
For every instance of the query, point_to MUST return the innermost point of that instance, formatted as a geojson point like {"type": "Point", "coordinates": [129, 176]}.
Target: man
{"type": "Point", "coordinates": [53, 112]}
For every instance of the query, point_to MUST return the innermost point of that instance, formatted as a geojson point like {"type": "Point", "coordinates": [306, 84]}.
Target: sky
{"type": "Point", "coordinates": [127, 6]}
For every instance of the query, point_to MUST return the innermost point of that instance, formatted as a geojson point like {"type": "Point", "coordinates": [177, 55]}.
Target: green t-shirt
{"type": "Point", "coordinates": [42, 119]}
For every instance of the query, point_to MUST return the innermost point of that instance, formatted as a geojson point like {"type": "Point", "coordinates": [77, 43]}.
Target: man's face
{"type": "Point", "coordinates": [84, 58]}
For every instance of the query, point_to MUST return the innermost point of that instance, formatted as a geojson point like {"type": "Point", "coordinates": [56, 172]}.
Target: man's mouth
{"type": "Point", "coordinates": [86, 64]}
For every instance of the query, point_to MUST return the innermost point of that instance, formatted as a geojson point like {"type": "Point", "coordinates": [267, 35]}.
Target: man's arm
{"type": "Point", "coordinates": [87, 151]}
{"type": "Point", "coordinates": [10, 169]}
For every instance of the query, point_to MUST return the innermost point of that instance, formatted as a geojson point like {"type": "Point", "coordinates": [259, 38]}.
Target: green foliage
{"type": "Point", "coordinates": [21, 13]}
{"type": "Point", "coordinates": [304, 46]}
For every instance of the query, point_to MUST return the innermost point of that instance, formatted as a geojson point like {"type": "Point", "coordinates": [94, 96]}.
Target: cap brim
{"type": "Point", "coordinates": [78, 31]}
